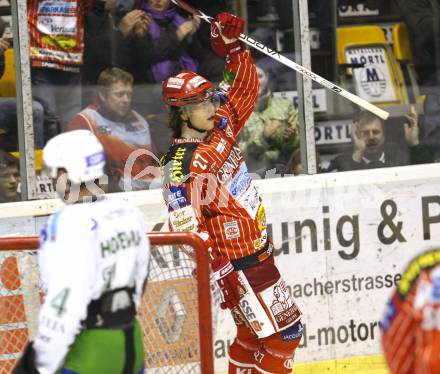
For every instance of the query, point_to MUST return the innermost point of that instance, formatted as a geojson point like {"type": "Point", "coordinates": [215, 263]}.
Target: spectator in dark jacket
{"type": "Point", "coordinates": [422, 18]}
{"type": "Point", "coordinates": [370, 150]}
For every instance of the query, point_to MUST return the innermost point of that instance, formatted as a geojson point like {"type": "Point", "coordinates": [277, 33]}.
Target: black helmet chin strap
{"type": "Point", "coordinates": [189, 124]}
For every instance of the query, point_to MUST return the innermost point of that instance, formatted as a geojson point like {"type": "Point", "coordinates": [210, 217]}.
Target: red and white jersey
{"type": "Point", "coordinates": [411, 325]}
{"type": "Point", "coordinates": [56, 32]}
{"type": "Point", "coordinates": [207, 187]}
{"type": "Point", "coordinates": [128, 147]}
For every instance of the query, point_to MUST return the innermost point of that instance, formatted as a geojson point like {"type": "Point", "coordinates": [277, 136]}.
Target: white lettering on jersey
{"type": "Point", "coordinates": [230, 165]}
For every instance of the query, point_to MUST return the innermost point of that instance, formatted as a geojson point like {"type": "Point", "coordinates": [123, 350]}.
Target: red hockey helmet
{"type": "Point", "coordinates": [186, 88]}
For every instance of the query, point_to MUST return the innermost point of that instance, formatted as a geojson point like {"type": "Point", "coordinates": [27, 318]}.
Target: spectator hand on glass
{"type": "Point", "coordinates": [129, 21]}
{"type": "Point", "coordinates": [411, 127]}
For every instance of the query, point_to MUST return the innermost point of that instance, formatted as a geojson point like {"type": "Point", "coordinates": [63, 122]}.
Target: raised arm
{"type": "Point", "coordinates": [240, 76]}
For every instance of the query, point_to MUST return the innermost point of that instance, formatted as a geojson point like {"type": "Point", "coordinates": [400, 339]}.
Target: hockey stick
{"type": "Point", "coordinates": [293, 65]}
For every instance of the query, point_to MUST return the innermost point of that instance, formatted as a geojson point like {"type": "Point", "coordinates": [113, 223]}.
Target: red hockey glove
{"type": "Point", "coordinates": [227, 280]}
{"type": "Point", "coordinates": [232, 27]}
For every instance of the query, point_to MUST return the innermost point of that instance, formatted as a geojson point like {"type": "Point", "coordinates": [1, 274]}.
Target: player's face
{"type": "Point", "coordinates": [374, 136]}
{"type": "Point", "coordinates": [9, 178]}
{"type": "Point", "coordinates": [118, 98]}
{"type": "Point", "coordinates": [159, 5]}
{"type": "Point", "coordinates": [201, 115]}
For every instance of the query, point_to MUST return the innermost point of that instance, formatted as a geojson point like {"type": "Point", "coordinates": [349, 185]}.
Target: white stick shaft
{"type": "Point", "coordinates": [310, 74]}
{"type": "Point", "coordinates": [293, 65]}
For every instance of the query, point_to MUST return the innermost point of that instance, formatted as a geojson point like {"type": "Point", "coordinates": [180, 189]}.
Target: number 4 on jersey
{"type": "Point", "coordinates": [59, 301]}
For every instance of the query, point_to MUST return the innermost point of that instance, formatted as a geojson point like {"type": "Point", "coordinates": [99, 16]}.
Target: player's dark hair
{"type": "Point", "coordinates": [175, 121]}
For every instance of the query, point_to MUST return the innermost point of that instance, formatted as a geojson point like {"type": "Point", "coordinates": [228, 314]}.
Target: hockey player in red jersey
{"type": "Point", "coordinates": [208, 190]}
{"type": "Point", "coordinates": [411, 324]}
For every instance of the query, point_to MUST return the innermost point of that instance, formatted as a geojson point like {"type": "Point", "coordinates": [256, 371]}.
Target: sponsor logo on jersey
{"type": "Point", "coordinates": [250, 201]}
{"type": "Point", "coordinates": [57, 7]}
{"type": "Point", "coordinates": [425, 261]}
{"type": "Point", "coordinates": [177, 198]}
{"type": "Point", "coordinates": [230, 165]}
{"type": "Point", "coordinates": [282, 307]}
{"type": "Point", "coordinates": [240, 183]}
{"type": "Point", "coordinates": [231, 230]}
{"type": "Point", "coordinates": [293, 332]}
{"type": "Point", "coordinates": [261, 218]}
{"type": "Point", "coordinates": [221, 146]}
{"type": "Point", "coordinates": [176, 170]}
{"type": "Point", "coordinates": [95, 159]}
{"type": "Point", "coordinates": [57, 25]}
{"type": "Point", "coordinates": [250, 315]}
{"type": "Point", "coordinates": [183, 219]}
{"type": "Point", "coordinates": [223, 123]}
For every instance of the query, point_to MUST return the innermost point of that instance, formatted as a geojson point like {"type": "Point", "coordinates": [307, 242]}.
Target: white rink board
{"type": "Point", "coordinates": [355, 275]}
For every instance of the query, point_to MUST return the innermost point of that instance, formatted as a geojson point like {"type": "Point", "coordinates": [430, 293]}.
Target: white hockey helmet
{"type": "Point", "coordinates": [79, 152]}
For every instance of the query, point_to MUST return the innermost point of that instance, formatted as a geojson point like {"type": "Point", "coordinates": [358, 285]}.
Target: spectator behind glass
{"type": "Point", "coordinates": [211, 65]}
{"type": "Point", "coordinates": [9, 178]}
{"type": "Point", "coordinates": [422, 19]}
{"type": "Point", "coordinates": [8, 109]}
{"type": "Point", "coordinates": [371, 151]}
{"type": "Point", "coordinates": [56, 55]}
{"type": "Point", "coordinates": [108, 26]}
{"type": "Point", "coordinates": [294, 165]}
{"type": "Point", "coordinates": [168, 47]}
{"type": "Point", "coordinates": [271, 133]}
{"type": "Point", "coordinates": [124, 133]}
